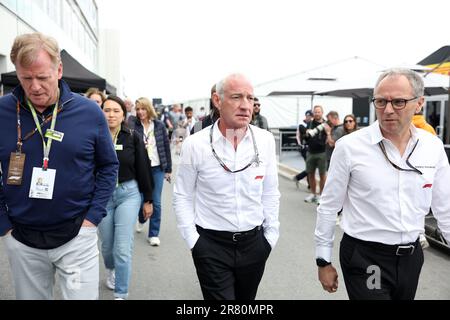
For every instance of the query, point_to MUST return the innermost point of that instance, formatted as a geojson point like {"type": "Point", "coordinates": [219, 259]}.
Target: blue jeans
{"type": "Point", "coordinates": [117, 233]}
{"type": "Point", "coordinates": [155, 219]}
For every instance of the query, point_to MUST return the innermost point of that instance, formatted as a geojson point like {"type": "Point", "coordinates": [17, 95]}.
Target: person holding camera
{"type": "Point", "coordinates": [334, 130]}
{"type": "Point", "coordinates": [316, 157]}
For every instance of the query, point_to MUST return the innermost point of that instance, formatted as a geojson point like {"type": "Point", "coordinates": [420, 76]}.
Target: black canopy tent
{"type": "Point", "coordinates": [77, 77]}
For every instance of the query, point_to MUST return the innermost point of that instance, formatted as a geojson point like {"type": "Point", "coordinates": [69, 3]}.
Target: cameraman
{"type": "Point", "coordinates": [316, 157]}
{"type": "Point", "coordinates": [334, 131]}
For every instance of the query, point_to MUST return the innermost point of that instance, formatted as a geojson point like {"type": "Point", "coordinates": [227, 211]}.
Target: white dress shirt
{"type": "Point", "coordinates": [207, 195]}
{"type": "Point", "coordinates": [381, 203]}
{"type": "Point", "coordinates": [150, 144]}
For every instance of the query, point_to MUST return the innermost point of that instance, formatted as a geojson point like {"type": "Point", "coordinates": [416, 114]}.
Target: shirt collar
{"type": "Point", "coordinates": [376, 136]}
{"type": "Point", "coordinates": [217, 135]}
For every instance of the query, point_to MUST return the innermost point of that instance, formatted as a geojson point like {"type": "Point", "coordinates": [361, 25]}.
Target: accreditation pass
{"type": "Point", "coordinates": [42, 183]}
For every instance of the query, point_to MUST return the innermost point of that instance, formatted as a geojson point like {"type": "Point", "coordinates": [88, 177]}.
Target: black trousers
{"type": "Point", "coordinates": [375, 271]}
{"type": "Point", "coordinates": [301, 175]}
{"type": "Point", "coordinates": [230, 265]}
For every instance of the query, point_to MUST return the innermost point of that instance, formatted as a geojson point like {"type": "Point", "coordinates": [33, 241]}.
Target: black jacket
{"type": "Point", "coordinates": [134, 163]}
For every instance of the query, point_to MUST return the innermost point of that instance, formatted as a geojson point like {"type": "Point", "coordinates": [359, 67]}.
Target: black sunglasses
{"type": "Point", "coordinates": [348, 121]}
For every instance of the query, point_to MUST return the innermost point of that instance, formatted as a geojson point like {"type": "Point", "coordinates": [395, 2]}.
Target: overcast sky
{"type": "Point", "coordinates": [177, 49]}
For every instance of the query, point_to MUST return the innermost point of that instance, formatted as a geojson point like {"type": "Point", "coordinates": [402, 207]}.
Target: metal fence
{"type": "Point", "coordinates": [285, 139]}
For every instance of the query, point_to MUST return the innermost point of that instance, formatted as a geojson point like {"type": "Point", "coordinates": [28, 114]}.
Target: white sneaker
{"type": "Point", "coordinates": [154, 241]}
{"type": "Point", "coordinates": [317, 200]}
{"type": "Point", "coordinates": [423, 241]}
{"type": "Point", "coordinates": [139, 227]}
{"type": "Point", "coordinates": [311, 198]}
{"type": "Point", "coordinates": [111, 279]}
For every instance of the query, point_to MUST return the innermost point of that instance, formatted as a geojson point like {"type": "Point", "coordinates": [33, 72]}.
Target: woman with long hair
{"type": "Point", "coordinates": [156, 141]}
{"type": "Point", "coordinates": [350, 124]}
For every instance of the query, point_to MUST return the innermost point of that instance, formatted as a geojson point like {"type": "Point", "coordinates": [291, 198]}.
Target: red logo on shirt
{"type": "Point", "coordinates": [259, 177]}
{"type": "Point", "coordinates": [428, 185]}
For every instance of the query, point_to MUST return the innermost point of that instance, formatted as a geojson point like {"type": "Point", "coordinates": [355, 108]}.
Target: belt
{"type": "Point", "coordinates": [231, 236]}
{"type": "Point", "coordinates": [406, 249]}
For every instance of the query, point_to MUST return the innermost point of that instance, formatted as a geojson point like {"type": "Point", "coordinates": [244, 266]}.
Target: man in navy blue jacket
{"type": "Point", "coordinates": [59, 169]}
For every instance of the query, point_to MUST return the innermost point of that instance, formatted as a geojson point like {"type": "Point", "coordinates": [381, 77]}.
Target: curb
{"type": "Point", "coordinates": [289, 173]}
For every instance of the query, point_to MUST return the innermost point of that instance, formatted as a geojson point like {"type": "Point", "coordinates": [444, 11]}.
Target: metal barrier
{"type": "Point", "coordinates": [285, 139]}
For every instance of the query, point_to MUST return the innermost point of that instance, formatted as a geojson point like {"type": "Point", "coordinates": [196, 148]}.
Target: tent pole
{"type": "Point", "coordinates": [298, 111]}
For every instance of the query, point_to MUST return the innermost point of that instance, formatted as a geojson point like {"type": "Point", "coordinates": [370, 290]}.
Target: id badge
{"type": "Point", "coordinates": [54, 135]}
{"type": "Point", "coordinates": [15, 171]}
{"type": "Point", "coordinates": [118, 147]}
{"type": "Point", "coordinates": [42, 183]}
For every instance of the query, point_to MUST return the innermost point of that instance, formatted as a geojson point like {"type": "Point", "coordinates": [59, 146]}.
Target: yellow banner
{"type": "Point", "coordinates": [442, 69]}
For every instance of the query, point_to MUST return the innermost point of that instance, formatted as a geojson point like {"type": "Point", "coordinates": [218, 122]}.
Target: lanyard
{"type": "Point", "coordinates": [20, 141]}
{"type": "Point", "coordinates": [116, 135]}
{"type": "Point", "coordinates": [19, 130]}
{"type": "Point", "coordinates": [255, 158]}
{"type": "Point", "coordinates": [47, 145]}
{"type": "Point", "coordinates": [148, 133]}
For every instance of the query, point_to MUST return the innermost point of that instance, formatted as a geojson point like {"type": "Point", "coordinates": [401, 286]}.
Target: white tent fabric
{"type": "Point", "coordinates": [318, 79]}
{"type": "Point", "coordinates": [361, 87]}
{"type": "Point", "coordinates": [286, 99]}
{"type": "Point", "coordinates": [339, 78]}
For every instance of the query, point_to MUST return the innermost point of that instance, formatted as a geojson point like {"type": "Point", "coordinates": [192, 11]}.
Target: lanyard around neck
{"type": "Point", "coordinates": [116, 135]}
{"type": "Point", "coordinates": [47, 145]}
{"type": "Point", "coordinates": [255, 158]}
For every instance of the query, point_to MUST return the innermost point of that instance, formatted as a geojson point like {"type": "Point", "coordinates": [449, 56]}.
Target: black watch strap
{"type": "Point", "coordinates": [322, 262]}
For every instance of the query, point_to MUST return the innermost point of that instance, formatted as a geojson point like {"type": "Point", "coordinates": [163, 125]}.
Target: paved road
{"type": "Point", "coordinates": [167, 272]}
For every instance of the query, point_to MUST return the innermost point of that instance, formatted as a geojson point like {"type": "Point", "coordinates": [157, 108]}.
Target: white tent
{"type": "Point", "coordinates": [362, 86]}
{"type": "Point", "coordinates": [318, 79]}
{"type": "Point", "coordinates": [287, 98]}
{"type": "Point", "coordinates": [339, 78]}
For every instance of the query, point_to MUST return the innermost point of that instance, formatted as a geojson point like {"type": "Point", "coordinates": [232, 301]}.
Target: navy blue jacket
{"type": "Point", "coordinates": [85, 161]}
{"type": "Point", "coordinates": [162, 143]}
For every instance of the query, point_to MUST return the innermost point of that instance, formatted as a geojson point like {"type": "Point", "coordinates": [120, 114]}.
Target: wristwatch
{"type": "Point", "coordinates": [322, 262]}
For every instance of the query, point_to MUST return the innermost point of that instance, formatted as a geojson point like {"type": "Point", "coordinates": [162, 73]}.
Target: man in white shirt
{"type": "Point", "coordinates": [385, 177]}
{"type": "Point", "coordinates": [189, 121]}
{"type": "Point", "coordinates": [226, 196]}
